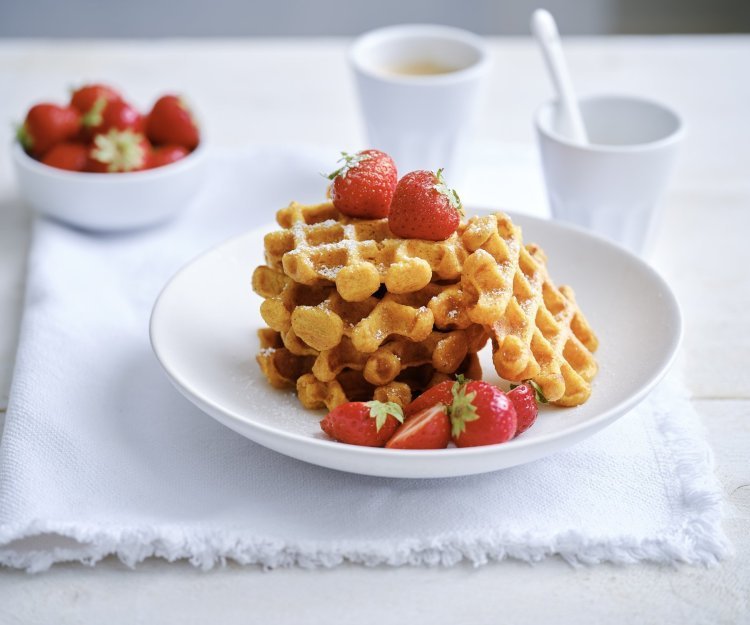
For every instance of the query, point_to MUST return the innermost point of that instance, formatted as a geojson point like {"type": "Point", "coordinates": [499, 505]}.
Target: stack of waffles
{"type": "Point", "coordinates": [356, 313]}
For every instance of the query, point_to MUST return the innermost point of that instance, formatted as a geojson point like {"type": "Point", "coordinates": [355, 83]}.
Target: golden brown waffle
{"type": "Point", "coordinates": [320, 317]}
{"type": "Point", "coordinates": [538, 331]}
{"type": "Point", "coordinates": [543, 335]}
{"type": "Point", "coordinates": [445, 351]}
{"type": "Point", "coordinates": [319, 245]}
{"type": "Point", "coordinates": [354, 308]}
{"type": "Point", "coordinates": [278, 364]}
{"type": "Point", "coordinates": [392, 372]}
{"type": "Point", "coordinates": [351, 385]}
{"type": "Point", "coordinates": [321, 248]}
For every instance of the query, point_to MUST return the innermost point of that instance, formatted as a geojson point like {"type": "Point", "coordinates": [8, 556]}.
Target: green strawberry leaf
{"type": "Point", "coordinates": [462, 410]}
{"type": "Point", "coordinates": [94, 116]}
{"type": "Point", "coordinates": [538, 394]}
{"type": "Point", "coordinates": [442, 188]}
{"type": "Point", "coordinates": [23, 137]}
{"type": "Point", "coordinates": [380, 410]}
{"type": "Point", "coordinates": [350, 162]}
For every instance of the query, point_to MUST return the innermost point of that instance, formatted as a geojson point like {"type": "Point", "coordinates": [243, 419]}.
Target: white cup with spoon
{"type": "Point", "coordinates": [606, 159]}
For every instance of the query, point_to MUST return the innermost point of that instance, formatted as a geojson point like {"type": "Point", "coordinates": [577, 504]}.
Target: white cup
{"type": "Point", "coordinates": [420, 88]}
{"type": "Point", "coordinates": [613, 184]}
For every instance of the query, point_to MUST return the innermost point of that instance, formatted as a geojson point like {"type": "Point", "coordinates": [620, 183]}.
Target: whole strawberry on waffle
{"type": "Point", "coordinates": [384, 292]}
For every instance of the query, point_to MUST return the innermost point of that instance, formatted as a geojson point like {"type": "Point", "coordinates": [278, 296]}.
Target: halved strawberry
{"type": "Point", "coordinates": [481, 414]}
{"type": "Point", "coordinates": [438, 394]}
{"type": "Point", "coordinates": [369, 423]}
{"type": "Point", "coordinates": [119, 151]}
{"type": "Point", "coordinates": [428, 429]}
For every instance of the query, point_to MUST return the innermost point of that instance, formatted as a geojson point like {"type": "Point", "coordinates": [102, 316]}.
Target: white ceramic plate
{"type": "Point", "coordinates": [203, 330]}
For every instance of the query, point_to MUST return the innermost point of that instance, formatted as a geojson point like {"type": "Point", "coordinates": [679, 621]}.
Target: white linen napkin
{"type": "Point", "coordinates": [101, 455]}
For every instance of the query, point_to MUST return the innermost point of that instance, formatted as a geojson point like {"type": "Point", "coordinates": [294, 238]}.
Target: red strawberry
{"type": "Point", "coordinates": [91, 99]}
{"type": "Point", "coordinates": [166, 155]}
{"type": "Point", "coordinates": [115, 114]}
{"type": "Point", "coordinates": [364, 185]}
{"type": "Point", "coordinates": [119, 151]}
{"type": "Point", "coordinates": [67, 155]}
{"type": "Point", "coordinates": [171, 122]}
{"type": "Point", "coordinates": [428, 429]}
{"type": "Point", "coordinates": [525, 397]}
{"type": "Point", "coordinates": [47, 124]}
{"type": "Point", "coordinates": [438, 394]}
{"type": "Point", "coordinates": [481, 414]}
{"type": "Point", "coordinates": [369, 423]}
{"type": "Point", "coordinates": [423, 207]}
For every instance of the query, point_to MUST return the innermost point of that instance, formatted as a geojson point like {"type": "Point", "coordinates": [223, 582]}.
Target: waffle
{"type": "Point", "coordinates": [543, 336]}
{"type": "Point", "coordinates": [319, 245]}
{"type": "Point", "coordinates": [281, 367]}
{"type": "Point", "coordinates": [391, 374]}
{"type": "Point", "coordinates": [320, 248]}
{"type": "Point", "coordinates": [538, 332]}
{"type": "Point", "coordinates": [351, 385]}
{"type": "Point", "coordinates": [445, 351]}
{"type": "Point", "coordinates": [320, 317]}
{"type": "Point", "coordinates": [355, 311]}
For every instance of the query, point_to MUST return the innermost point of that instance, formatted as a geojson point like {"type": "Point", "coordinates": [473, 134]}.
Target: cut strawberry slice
{"type": "Point", "coordinates": [438, 394]}
{"type": "Point", "coordinates": [369, 423]}
{"type": "Point", "coordinates": [429, 429]}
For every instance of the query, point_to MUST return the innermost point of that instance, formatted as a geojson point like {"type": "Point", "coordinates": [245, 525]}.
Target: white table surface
{"type": "Point", "coordinates": [294, 90]}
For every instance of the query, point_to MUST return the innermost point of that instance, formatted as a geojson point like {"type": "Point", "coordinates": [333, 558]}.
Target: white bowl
{"type": "Point", "coordinates": [108, 202]}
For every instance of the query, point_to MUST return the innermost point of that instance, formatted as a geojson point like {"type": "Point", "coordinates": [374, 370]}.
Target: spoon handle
{"type": "Point", "coordinates": [544, 28]}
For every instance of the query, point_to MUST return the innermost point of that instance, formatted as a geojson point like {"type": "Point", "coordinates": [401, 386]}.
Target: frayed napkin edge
{"type": "Point", "coordinates": [698, 540]}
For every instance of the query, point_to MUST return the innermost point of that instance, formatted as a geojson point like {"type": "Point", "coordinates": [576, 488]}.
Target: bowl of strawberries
{"type": "Point", "coordinates": [98, 163]}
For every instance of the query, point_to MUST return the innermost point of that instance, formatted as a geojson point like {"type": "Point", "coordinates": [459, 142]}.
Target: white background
{"type": "Point", "coordinates": [294, 91]}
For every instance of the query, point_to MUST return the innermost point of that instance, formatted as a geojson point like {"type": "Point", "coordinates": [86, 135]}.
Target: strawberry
{"type": "Point", "coordinates": [428, 429]}
{"type": "Point", "coordinates": [47, 124]}
{"type": "Point", "coordinates": [67, 155]}
{"type": "Point", "coordinates": [114, 114]}
{"type": "Point", "coordinates": [525, 397]}
{"type": "Point", "coordinates": [423, 207]}
{"type": "Point", "coordinates": [171, 122]}
{"type": "Point", "coordinates": [119, 151]}
{"type": "Point", "coordinates": [90, 100]}
{"type": "Point", "coordinates": [438, 394]}
{"type": "Point", "coordinates": [363, 186]}
{"type": "Point", "coordinates": [481, 414]}
{"type": "Point", "coordinates": [166, 155]}
{"type": "Point", "coordinates": [369, 423]}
